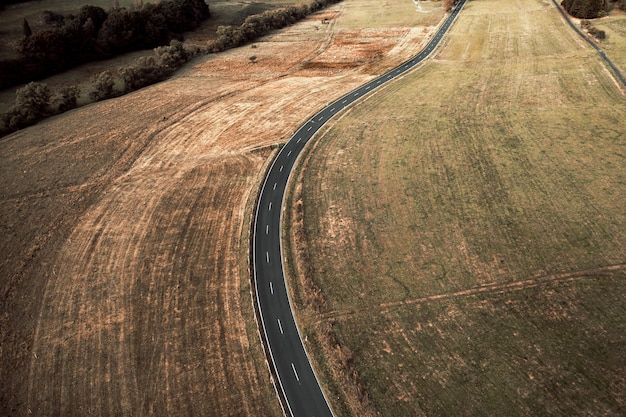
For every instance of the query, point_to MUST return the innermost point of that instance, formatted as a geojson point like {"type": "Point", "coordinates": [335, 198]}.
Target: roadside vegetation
{"type": "Point", "coordinates": [460, 235]}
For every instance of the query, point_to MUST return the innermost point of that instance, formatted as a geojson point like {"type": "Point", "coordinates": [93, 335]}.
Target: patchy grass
{"type": "Point", "coordinates": [549, 349]}
{"type": "Point", "coordinates": [466, 227]}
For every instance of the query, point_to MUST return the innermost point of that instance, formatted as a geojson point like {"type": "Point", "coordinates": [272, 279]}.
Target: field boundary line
{"type": "Point", "coordinates": [491, 288]}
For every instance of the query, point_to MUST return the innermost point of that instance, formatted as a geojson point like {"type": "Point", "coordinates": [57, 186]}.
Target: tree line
{"type": "Point", "coordinates": [95, 34]}
{"type": "Point", "coordinates": [36, 101]}
{"type": "Point", "coordinates": [591, 9]}
{"type": "Point", "coordinates": [261, 24]}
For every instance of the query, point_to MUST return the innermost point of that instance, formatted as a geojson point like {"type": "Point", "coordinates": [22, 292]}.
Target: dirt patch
{"type": "Point", "coordinates": [124, 290]}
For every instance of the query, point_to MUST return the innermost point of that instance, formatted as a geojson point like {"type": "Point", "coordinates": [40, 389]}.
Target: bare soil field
{"type": "Point", "coordinates": [461, 233]}
{"type": "Point", "coordinates": [124, 227]}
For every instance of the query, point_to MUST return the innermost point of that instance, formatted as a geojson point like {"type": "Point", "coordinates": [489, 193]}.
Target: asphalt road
{"type": "Point", "coordinates": [288, 358]}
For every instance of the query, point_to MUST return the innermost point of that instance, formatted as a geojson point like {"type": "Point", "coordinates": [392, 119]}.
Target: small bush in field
{"type": "Point", "coordinates": [103, 86]}
{"type": "Point", "coordinates": [32, 103]}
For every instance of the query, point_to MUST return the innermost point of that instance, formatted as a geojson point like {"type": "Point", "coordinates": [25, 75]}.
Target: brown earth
{"type": "Point", "coordinates": [124, 229]}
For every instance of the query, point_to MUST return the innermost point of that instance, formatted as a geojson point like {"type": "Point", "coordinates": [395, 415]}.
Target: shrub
{"type": "Point", "coordinates": [35, 96]}
{"type": "Point", "coordinates": [172, 56]}
{"type": "Point", "coordinates": [144, 73]}
{"type": "Point", "coordinates": [32, 103]}
{"type": "Point", "coordinates": [103, 86]}
{"type": "Point", "coordinates": [68, 98]}
{"type": "Point", "coordinates": [97, 15]}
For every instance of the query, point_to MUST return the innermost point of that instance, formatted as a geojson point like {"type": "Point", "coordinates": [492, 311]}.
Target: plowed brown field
{"type": "Point", "coordinates": [124, 226]}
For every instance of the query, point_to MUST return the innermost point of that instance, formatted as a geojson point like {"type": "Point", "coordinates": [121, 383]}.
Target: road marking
{"type": "Point", "coordinates": [267, 229]}
{"type": "Point", "coordinates": [309, 129]}
{"type": "Point", "coordinates": [299, 139]}
{"type": "Point", "coordinates": [280, 326]}
{"type": "Point", "coordinates": [294, 372]}
{"type": "Point", "coordinates": [271, 287]}
{"type": "Point", "coordinates": [289, 153]}
{"type": "Point", "coordinates": [270, 206]}
{"type": "Point", "coordinates": [368, 87]}
{"type": "Point", "coordinates": [281, 168]}
{"type": "Point", "coordinates": [333, 109]}
{"type": "Point", "coordinates": [344, 102]}
{"type": "Point", "coordinates": [321, 118]}
{"type": "Point", "coordinates": [267, 257]}
{"type": "Point", "coordinates": [275, 184]}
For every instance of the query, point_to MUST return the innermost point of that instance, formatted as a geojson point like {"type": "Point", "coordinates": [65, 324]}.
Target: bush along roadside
{"type": "Point", "coordinates": [36, 101]}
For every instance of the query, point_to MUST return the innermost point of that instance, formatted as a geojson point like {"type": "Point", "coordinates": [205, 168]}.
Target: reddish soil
{"type": "Point", "coordinates": [124, 227]}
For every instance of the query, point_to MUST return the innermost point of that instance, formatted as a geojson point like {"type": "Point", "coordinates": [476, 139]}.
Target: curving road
{"type": "Point", "coordinates": [297, 382]}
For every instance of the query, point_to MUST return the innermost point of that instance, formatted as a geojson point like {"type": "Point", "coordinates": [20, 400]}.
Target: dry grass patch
{"type": "Point", "coordinates": [497, 167]}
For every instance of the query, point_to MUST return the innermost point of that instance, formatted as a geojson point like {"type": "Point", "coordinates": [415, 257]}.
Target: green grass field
{"type": "Point", "coordinates": [466, 227]}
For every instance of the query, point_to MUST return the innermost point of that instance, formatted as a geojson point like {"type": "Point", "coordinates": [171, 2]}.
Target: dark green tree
{"type": "Point", "coordinates": [32, 103]}
{"type": "Point", "coordinates": [583, 9]}
{"type": "Point", "coordinates": [35, 96]}
{"type": "Point", "coordinates": [172, 56]}
{"type": "Point", "coordinates": [144, 73]}
{"type": "Point", "coordinates": [103, 85]}
{"type": "Point", "coordinates": [95, 13]}
{"type": "Point", "coordinates": [68, 98]}
{"type": "Point", "coordinates": [26, 30]}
